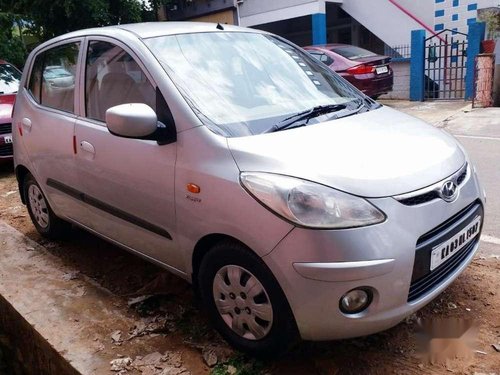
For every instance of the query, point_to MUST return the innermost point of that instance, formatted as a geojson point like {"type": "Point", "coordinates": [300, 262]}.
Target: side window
{"type": "Point", "coordinates": [52, 80]}
{"type": "Point", "coordinates": [113, 77]}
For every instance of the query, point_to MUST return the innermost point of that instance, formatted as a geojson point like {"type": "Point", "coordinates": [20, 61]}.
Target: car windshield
{"type": "Point", "coordinates": [9, 79]}
{"type": "Point", "coordinates": [242, 83]}
{"type": "Point", "coordinates": [352, 52]}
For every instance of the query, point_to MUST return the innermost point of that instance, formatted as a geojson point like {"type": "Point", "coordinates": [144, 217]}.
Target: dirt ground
{"type": "Point", "coordinates": [473, 296]}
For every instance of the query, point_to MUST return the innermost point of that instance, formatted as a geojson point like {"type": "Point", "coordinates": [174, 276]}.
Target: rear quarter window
{"type": "Point", "coordinates": [52, 78]}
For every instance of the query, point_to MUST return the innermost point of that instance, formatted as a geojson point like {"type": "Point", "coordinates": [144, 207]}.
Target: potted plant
{"type": "Point", "coordinates": [491, 17]}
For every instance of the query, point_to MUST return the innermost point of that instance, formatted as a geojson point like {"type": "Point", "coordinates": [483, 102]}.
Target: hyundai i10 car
{"type": "Point", "coordinates": [297, 206]}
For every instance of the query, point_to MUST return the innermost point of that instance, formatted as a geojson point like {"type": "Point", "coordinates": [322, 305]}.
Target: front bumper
{"type": "Point", "coordinates": [6, 149]}
{"type": "Point", "coordinates": [316, 268]}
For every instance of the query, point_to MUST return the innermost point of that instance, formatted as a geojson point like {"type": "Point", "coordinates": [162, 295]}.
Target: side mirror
{"type": "Point", "coordinates": [134, 120]}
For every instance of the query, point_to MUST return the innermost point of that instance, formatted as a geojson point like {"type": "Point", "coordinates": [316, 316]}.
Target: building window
{"type": "Point", "coordinates": [472, 6]}
{"type": "Point", "coordinates": [439, 27]}
{"type": "Point", "coordinates": [454, 17]}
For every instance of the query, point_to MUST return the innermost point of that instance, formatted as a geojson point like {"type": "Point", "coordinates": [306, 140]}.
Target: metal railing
{"type": "Point", "coordinates": [402, 51]}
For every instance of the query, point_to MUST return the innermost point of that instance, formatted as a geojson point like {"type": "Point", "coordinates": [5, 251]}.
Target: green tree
{"type": "Point", "coordinates": [50, 18]}
{"type": "Point", "coordinates": [12, 47]}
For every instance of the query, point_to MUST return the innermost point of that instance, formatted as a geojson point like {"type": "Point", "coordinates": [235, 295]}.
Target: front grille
{"type": "Point", "coordinates": [461, 178]}
{"type": "Point", "coordinates": [432, 192]}
{"type": "Point", "coordinates": [423, 280]}
{"type": "Point", "coordinates": [419, 199]}
{"type": "Point", "coordinates": [5, 128]}
{"type": "Point", "coordinates": [6, 149]}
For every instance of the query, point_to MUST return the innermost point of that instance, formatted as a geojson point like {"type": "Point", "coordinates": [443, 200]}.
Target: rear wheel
{"type": "Point", "coordinates": [245, 302]}
{"type": "Point", "coordinates": [42, 216]}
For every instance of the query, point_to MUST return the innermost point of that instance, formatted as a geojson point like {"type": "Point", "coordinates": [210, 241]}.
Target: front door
{"type": "Point", "coordinates": [128, 184]}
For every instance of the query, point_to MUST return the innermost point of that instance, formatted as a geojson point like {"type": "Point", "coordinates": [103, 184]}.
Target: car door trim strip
{"type": "Point", "coordinates": [107, 208]}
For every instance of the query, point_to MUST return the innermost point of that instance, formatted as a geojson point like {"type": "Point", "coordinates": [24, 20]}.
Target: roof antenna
{"type": "Point", "coordinates": [219, 26]}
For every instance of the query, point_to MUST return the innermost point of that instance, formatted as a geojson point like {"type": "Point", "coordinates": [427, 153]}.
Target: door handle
{"type": "Point", "coordinates": [26, 123]}
{"type": "Point", "coordinates": [87, 147]}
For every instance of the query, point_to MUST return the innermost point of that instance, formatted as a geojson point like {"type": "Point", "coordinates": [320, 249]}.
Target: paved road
{"type": "Point", "coordinates": [479, 131]}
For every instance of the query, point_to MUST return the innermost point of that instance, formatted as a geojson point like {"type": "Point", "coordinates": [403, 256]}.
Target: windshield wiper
{"type": "Point", "coordinates": [305, 115]}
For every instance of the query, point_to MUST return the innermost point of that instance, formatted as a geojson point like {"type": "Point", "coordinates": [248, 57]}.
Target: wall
{"type": "Point", "coordinates": [457, 14]}
{"type": "Point", "coordinates": [224, 17]}
{"type": "Point", "coordinates": [422, 9]}
{"type": "Point", "coordinates": [258, 12]}
{"type": "Point", "coordinates": [185, 10]}
{"type": "Point", "coordinates": [383, 19]}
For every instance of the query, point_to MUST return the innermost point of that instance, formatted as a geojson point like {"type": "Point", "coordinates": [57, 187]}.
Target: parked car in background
{"type": "Point", "coordinates": [9, 84]}
{"type": "Point", "coordinates": [58, 76]}
{"type": "Point", "coordinates": [369, 72]}
{"type": "Point", "coordinates": [295, 204]}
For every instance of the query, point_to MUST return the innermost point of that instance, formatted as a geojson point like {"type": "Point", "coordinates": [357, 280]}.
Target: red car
{"type": "Point", "coordinates": [369, 72]}
{"type": "Point", "coordinates": [9, 84]}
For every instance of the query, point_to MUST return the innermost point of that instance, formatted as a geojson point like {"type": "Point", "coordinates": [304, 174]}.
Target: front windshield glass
{"type": "Point", "coordinates": [242, 83]}
{"type": "Point", "coordinates": [9, 79]}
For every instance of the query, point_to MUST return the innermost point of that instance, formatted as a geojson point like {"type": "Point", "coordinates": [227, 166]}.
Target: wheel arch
{"type": "Point", "coordinates": [21, 173]}
{"type": "Point", "coordinates": [203, 246]}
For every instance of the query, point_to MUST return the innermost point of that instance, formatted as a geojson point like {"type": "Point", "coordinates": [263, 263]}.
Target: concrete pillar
{"type": "Point", "coordinates": [417, 65]}
{"type": "Point", "coordinates": [476, 35]}
{"type": "Point", "coordinates": [318, 28]}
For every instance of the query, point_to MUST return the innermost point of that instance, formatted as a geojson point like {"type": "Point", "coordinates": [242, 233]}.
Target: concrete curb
{"type": "Point", "coordinates": [60, 324]}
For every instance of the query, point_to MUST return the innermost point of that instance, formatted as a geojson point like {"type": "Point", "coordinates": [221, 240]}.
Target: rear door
{"type": "Point", "coordinates": [48, 120]}
{"type": "Point", "coordinates": [128, 184]}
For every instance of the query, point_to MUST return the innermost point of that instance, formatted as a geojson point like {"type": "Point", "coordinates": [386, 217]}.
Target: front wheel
{"type": "Point", "coordinates": [42, 216]}
{"type": "Point", "coordinates": [245, 302]}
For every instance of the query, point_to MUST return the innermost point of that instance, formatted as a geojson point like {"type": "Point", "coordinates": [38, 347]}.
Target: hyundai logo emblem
{"type": "Point", "coordinates": [449, 191]}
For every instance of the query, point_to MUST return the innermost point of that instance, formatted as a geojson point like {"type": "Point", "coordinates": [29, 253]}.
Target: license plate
{"type": "Point", "coordinates": [381, 69]}
{"type": "Point", "coordinates": [7, 139]}
{"type": "Point", "coordinates": [450, 247]}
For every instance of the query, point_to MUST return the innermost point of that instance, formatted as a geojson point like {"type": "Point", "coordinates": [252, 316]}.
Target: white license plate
{"type": "Point", "coordinates": [381, 69]}
{"type": "Point", "coordinates": [450, 247]}
{"type": "Point", "coordinates": [7, 139]}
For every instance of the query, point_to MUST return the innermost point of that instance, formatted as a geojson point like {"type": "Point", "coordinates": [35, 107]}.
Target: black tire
{"type": "Point", "coordinates": [282, 334]}
{"type": "Point", "coordinates": [55, 227]}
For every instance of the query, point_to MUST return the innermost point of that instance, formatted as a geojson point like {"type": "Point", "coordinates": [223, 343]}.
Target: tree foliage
{"type": "Point", "coordinates": [12, 47]}
{"type": "Point", "coordinates": [45, 19]}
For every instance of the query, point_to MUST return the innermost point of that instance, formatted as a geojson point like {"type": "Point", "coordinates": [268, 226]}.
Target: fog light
{"type": "Point", "coordinates": [355, 301]}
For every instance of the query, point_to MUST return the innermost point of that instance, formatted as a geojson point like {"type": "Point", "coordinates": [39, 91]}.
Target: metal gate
{"type": "Point", "coordinates": [445, 65]}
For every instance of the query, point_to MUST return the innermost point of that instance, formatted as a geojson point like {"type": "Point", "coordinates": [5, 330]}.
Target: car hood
{"type": "Point", "coordinates": [378, 153]}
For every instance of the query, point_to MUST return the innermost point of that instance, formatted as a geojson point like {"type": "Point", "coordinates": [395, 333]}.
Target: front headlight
{"type": "Point", "coordinates": [309, 204]}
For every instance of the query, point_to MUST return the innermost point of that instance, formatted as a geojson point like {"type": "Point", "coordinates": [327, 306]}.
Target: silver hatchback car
{"type": "Point", "coordinates": [297, 206]}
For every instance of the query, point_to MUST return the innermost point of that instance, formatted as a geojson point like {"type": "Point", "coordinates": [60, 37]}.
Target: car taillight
{"type": "Point", "coordinates": [361, 69]}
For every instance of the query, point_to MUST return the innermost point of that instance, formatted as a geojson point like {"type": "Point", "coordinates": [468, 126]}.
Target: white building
{"type": "Point", "coordinates": [372, 24]}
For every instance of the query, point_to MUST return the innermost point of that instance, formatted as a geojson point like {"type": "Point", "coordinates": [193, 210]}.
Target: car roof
{"type": "Point", "coordinates": [152, 29]}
